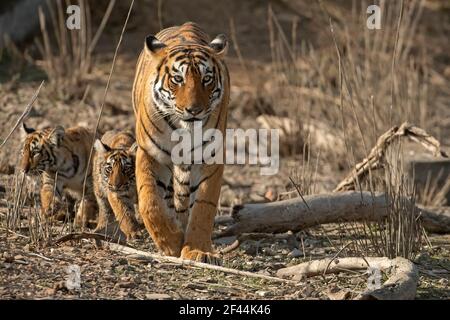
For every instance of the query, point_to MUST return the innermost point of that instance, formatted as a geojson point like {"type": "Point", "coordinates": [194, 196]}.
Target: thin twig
{"type": "Point", "coordinates": [87, 235]}
{"type": "Point", "coordinates": [25, 114]}
{"type": "Point", "coordinates": [104, 100]}
{"type": "Point", "coordinates": [299, 193]}
{"type": "Point", "coordinates": [336, 255]}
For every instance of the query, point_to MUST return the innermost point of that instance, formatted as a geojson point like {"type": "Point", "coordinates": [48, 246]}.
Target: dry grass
{"type": "Point", "coordinates": [67, 55]}
{"type": "Point", "coordinates": [369, 82]}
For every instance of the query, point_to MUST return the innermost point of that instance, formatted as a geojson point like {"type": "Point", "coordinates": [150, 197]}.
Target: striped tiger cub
{"type": "Point", "coordinates": [60, 157]}
{"type": "Point", "coordinates": [115, 182]}
{"type": "Point", "coordinates": [181, 78]}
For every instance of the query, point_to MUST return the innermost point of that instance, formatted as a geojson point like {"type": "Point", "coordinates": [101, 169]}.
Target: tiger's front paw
{"type": "Point", "coordinates": [201, 256]}
{"type": "Point", "coordinates": [58, 212]}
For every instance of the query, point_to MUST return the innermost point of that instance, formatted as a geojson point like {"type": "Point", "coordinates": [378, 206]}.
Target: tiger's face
{"type": "Point", "coordinates": [39, 149]}
{"type": "Point", "coordinates": [189, 83]}
{"type": "Point", "coordinates": [117, 167]}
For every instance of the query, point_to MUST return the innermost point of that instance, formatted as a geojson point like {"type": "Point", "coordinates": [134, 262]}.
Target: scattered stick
{"type": "Point", "coordinates": [401, 285]}
{"type": "Point", "coordinates": [86, 235]}
{"type": "Point", "coordinates": [293, 215]}
{"type": "Point", "coordinates": [39, 256]}
{"type": "Point", "coordinates": [235, 245]}
{"type": "Point", "coordinates": [25, 114]}
{"type": "Point", "coordinates": [376, 156]}
{"type": "Point", "coordinates": [181, 262]}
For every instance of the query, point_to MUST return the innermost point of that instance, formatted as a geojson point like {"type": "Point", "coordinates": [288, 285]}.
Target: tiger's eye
{"type": "Point", "coordinates": [207, 79]}
{"type": "Point", "coordinates": [177, 79]}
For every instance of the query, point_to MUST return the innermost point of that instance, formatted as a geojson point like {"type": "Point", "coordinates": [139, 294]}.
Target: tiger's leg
{"type": "Point", "coordinates": [123, 208]}
{"type": "Point", "coordinates": [105, 212]}
{"type": "Point", "coordinates": [86, 214]}
{"type": "Point", "coordinates": [198, 243]}
{"type": "Point", "coordinates": [51, 202]}
{"type": "Point", "coordinates": [159, 222]}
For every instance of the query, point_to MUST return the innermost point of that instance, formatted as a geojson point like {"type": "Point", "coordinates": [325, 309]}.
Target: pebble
{"type": "Point", "coordinates": [296, 253]}
{"type": "Point", "coordinates": [126, 285]}
{"type": "Point", "coordinates": [157, 296]}
{"type": "Point", "coordinates": [443, 281]}
{"type": "Point", "coordinates": [262, 293]}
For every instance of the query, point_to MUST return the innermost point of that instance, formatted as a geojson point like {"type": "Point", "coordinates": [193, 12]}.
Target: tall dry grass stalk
{"type": "Point", "coordinates": [67, 55]}
{"type": "Point", "coordinates": [367, 80]}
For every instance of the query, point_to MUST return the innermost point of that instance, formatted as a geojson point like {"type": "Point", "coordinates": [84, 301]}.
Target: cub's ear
{"type": "Point", "coordinates": [220, 45]}
{"type": "Point", "coordinates": [100, 147]}
{"type": "Point", "coordinates": [57, 135]}
{"type": "Point", "coordinates": [133, 149]}
{"type": "Point", "coordinates": [153, 45]}
{"type": "Point", "coordinates": [27, 129]}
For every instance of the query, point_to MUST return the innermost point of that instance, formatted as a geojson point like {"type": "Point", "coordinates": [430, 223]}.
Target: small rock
{"type": "Point", "coordinates": [126, 285]}
{"type": "Point", "coordinates": [262, 293]}
{"type": "Point", "coordinates": [264, 272]}
{"type": "Point", "coordinates": [307, 292]}
{"type": "Point", "coordinates": [296, 253]}
{"type": "Point", "coordinates": [122, 261]}
{"type": "Point", "coordinates": [157, 296]}
{"type": "Point", "coordinates": [337, 294]}
{"type": "Point", "coordinates": [225, 241]}
{"type": "Point", "coordinates": [8, 257]}
{"type": "Point", "coordinates": [50, 291]}
{"type": "Point", "coordinates": [443, 282]}
{"type": "Point", "coordinates": [298, 277]}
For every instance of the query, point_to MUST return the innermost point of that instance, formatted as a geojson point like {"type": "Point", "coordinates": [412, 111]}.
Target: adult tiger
{"type": "Point", "coordinates": [181, 78]}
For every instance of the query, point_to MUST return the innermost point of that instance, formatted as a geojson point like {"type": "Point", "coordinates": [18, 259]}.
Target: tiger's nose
{"type": "Point", "coordinates": [194, 110]}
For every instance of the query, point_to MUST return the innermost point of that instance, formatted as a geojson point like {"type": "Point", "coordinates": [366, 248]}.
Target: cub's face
{"type": "Point", "coordinates": [40, 149]}
{"type": "Point", "coordinates": [190, 79]}
{"type": "Point", "coordinates": [117, 167]}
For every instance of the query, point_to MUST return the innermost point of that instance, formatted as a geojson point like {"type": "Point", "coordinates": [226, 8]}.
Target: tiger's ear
{"type": "Point", "coordinates": [220, 45]}
{"type": "Point", "coordinates": [27, 129]}
{"type": "Point", "coordinates": [57, 135]}
{"type": "Point", "coordinates": [153, 45]}
{"type": "Point", "coordinates": [100, 147]}
{"type": "Point", "coordinates": [132, 150]}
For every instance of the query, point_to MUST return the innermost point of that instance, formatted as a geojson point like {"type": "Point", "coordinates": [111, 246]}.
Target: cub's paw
{"type": "Point", "coordinates": [201, 256]}
{"type": "Point", "coordinates": [134, 235]}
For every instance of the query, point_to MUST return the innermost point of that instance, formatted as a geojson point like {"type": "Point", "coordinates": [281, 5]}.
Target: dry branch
{"type": "Point", "coordinates": [190, 263]}
{"type": "Point", "coordinates": [294, 214]}
{"type": "Point", "coordinates": [401, 285]}
{"type": "Point", "coordinates": [86, 235]}
{"type": "Point", "coordinates": [375, 159]}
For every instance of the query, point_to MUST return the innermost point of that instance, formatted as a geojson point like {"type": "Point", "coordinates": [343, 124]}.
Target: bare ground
{"type": "Point", "coordinates": [28, 271]}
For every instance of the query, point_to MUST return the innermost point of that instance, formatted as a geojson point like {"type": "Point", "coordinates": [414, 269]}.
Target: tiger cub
{"type": "Point", "coordinates": [60, 157]}
{"type": "Point", "coordinates": [115, 182]}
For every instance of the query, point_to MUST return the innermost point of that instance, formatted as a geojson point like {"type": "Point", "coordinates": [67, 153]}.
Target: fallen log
{"type": "Point", "coordinates": [401, 285]}
{"type": "Point", "coordinates": [298, 214]}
